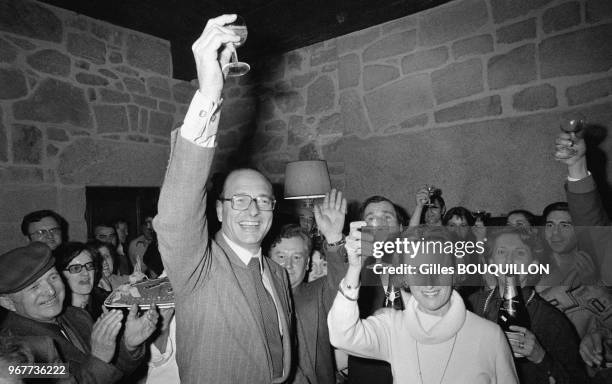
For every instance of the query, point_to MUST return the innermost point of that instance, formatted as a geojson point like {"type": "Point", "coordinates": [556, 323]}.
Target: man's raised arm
{"type": "Point", "coordinates": [180, 224]}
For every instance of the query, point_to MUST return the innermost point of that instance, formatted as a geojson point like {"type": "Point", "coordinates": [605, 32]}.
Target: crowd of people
{"type": "Point", "coordinates": [247, 313]}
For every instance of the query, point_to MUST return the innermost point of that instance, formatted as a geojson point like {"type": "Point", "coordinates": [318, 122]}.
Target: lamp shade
{"type": "Point", "coordinates": [306, 179]}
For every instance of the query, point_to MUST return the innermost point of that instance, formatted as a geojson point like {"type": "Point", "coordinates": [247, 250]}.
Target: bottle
{"type": "Point", "coordinates": [513, 310]}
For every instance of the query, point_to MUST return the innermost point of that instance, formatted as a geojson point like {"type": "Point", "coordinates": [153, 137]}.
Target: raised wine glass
{"type": "Point", "coordinates": [574, 125]}
{"type": "Point", "coordinates": [431, 191]}
{"type": "Point", "coordinates": [237, 68]}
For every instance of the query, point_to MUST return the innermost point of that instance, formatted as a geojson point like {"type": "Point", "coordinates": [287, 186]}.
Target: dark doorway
{"type": "Point", "coordinates": [106, 204]}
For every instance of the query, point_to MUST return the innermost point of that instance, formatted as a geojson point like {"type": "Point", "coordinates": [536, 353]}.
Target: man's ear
{"type": "Point", "coordinates": [219, 207]}
{"type": "Point", "coordinates": [7, 303]}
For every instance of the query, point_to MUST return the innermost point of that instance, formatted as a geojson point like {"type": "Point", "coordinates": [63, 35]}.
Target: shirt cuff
{"type": "Point", "coordinates": [351, 293]}
{"type": "Point", "coordinates": [574, 179]}
{"type": "Point", "coordinates": [202, 120]}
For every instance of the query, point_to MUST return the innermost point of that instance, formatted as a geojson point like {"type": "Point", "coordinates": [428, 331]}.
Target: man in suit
{"type": "Point", "coordinates": [44, 226]}
{"type": "Point", "coordinates": [233, 307]}
{"type": "Point", "coordinates": [292, 248]}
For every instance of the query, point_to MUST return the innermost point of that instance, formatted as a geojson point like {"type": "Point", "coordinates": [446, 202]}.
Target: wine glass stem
{"type": "Point", "coordinates": [234, 57]}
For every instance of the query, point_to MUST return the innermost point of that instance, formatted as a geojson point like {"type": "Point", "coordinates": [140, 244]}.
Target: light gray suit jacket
{"type": "Point", "coordinates": [219, 339]}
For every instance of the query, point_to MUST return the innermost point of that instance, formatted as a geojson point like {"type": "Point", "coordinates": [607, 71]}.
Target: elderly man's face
{"type": "Point", "coordinates": [47, 230]}
{"type": "Point", "coordinates": [559, 232]}
{"type": "Point", "coordinates": [106, 235]}
{"type": "Point", "coordinates": [292, 254]}
{"type": "Point", "coordinates": [41, 300]}
{"type": "Point", "coordinates": [246, 228]}
{"type": "Point", "coordinates": [382, 214]}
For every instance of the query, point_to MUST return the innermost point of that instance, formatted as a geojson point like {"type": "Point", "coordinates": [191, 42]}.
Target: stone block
{"type": "Point", "coordinates": [50, 61]}
{"type": "Point", "coordinates": [298, 132]}
{"type": "Point", "coordinates": [126, 70]}
{"type": "Point", "coordinates": [354, 119]}
{"type": "Point", "coordinates": [533, 98]}
{"type": "Point", "coordinates": [238, 112]}
{"type": "Point", "coordinates": [401, 24]}
{"type": "Point", "coordinates": [101, 31]}
{"type": "Point", "coordinates": [21, 43]}
{"type": "Point", "coordinates": [3, 139]}
{"type": "Point", "coordinates": [397, 101]}
{"type": "Point", "coordinates": [561, 17]}
{"type": "Point", "coordinates": [301, 81]}
{"type": "Point", "coordinates": [167, 107]}
{"type": "Point", "coordinates": [21, 175]}
{"type": "Point", "coordinates": [357, 40]}
{"type": "Point", "coordinates": [477, 45]}
{"type": "Point", "coordinates": [112, 163]}
{"type": "Point", "coordinates": [135, 85]}
{"type": "Point", "coordinates": [488, 106]}
{"type": "Point", "coordinates": [377, 75]}
{"type": "Point", "coordinates": [229, 139]}
{"type": "Point", "coordinates": [144, 120]}
{"type": "Point", "coordinates": [457, 80]}
{"type": "Point", "coordinates": [17, 200]}
{"type": "Point", "coordinates": [584, 51]}
{"type": "Point", "coordinates": [183, 92]}
{"type": "Point", "coordinates": [82, 64]}
{"type": "Point", "coordinates": [55, 101]}
{"type": "Point", "coordinates": [149, 53]}
{"type": "Point", "coordinates": [115, 57]}
{"type": "Point", "coordinates": [72, 203]}
{"type": "Point", "coordinates": [589, 91]}
{"type": "Point", "coordinates": [13, 84]}
{"type": "Point", "coordinates": [161, 124]}
{"type": "Point", "coordinates": [391, 45]}
{"type": "Point", "coordinates": [57, 134]}
{"type": "Point", "coordinates": [598, 10]}
{"type": "Point", "coordinates": [509, 9]}
{"type": "Point", "coordinates": [323, 56]}
{"type": "Point", "coordinates": [522, 30]}
{"type": "Point", "coordinates": [8, 53]}
{"type": "Point", "coordinates": [111, 118]}
{"type": "Point", "coordinates": [515, 67]}
{"type": "Point", "coordinates": [320, 95]}
{"type": "Point", "coordinates": [422, 60]}
{"type": "Point", "coordinates": [452, 21]}
{"type": "Point", "coordinates": [266, 142]}
{"type": "Point", "coordinates": [30, 19]}
{"type": "Point", "coordinates": [138, 138]}
{"type": "Point", "coordinates": [330, 124]}
{"type": "Point", "coordinates": [349, 71]}
{"type": "Point", "coordinates": [52, 150]}
{"type": "Point", "coordinates": [417, 121]}
{"type": "Point", "coordinates": [91, 94]}
{"type": "Point", "coordinates": [294, 61]}
{"type": "Point", "coordinates": [277, 127]}
{"type": "Point", "coordinates": [133, 114]}
{"type": "Point", "coordinates": [144, 101]}
{"type": "Point", "coordinates": [107, 73]}
{"type": "Point", "coordinates": [27, 144]}
{"type": "Point", "coordinates": [77, 22]}
{"type": "Point", "coordinates": [87, 47]}
{"type": "Point", "coordinates": [160, 93]}
{"type": "Point", "coordinates": [274, 164]}
{"type": "Point", "coordinates": [114, 97]}
{"type": "Point", "coordinates": [89, 79]}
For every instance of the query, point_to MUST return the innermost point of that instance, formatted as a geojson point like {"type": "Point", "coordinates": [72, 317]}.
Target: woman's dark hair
{"type": "Point", "coordinates": [460, 212]}
{"type": "Point", "coordinates": [531, 218]}
{"type": "Point", "coordinates": [96, 245]}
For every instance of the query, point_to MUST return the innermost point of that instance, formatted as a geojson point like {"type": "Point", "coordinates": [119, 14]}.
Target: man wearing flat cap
{"type": "Point", "coordinates": [32, 290]}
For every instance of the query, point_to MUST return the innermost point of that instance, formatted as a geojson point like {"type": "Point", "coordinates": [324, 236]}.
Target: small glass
{"type": "Point", "coordinates": [237, 68]}
{"type": "Point", "coordinates": [432, 191]}
{"type": "Point", "coordinates": [574, 125]}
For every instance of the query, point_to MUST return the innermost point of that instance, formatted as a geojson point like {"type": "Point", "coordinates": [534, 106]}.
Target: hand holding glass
{"type": "Point", "coordinates": [237, 68]}
{"type": "Point", "coordinates": [574, 125]}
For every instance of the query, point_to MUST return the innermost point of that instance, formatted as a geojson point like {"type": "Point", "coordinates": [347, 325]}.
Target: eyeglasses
{"type": "Point", "coordinates": [46, 232]}
{"type": "Point", "coordinates": [77, 268]}
{"type": "Point", "coordinates": [243, 202]}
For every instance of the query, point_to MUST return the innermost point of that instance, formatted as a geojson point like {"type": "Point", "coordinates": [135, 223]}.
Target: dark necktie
{"type": "Point", "coordinates": [269, 318]}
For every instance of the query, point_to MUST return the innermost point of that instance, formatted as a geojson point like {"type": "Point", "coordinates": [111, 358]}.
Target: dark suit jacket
{"type": "Point", "coordinates": [313, 301]}
{"type": "Point", "coordinates": [219, 339]}
{"type": "Point", "coordinates": [84, 367]}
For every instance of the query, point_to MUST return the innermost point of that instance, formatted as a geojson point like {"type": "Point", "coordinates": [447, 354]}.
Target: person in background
{"type": "Point", "coordinates": [139, 245]}
{"type": "Point", "coordinates": [124, 265]}
{"type": "Point", "coordinates": [435, 339]}
{"type": "Point", "coordinates": [105, 232]}
{"type": "Point", "coordinates": [424, 214]}
{"type": "Point", "coordinates": [318, 266]}
{"type": "Point", "coordinates": [34, 295]}
{"type": "Point", "coordinates": [521, 218]}
{"type": "Point", "coordinates": [109, 279]}
{"type": "Point", "coordinates": [587, 211]}
{"type": "Point", "coordinates": [550, 346]}
{"type": "Point", "coordinates": [291, 248]}
{"type": "Point", "coordinates": [81, 272]}
{"type": "Point", "coordinates": [44, 226]}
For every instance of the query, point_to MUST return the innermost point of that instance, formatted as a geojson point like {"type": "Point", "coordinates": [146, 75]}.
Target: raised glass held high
{"type": "Point", "coordinates": [237, 68]}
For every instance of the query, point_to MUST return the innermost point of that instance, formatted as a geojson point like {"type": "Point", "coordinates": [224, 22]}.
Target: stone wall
{"type": "Point", "coordinates": [82, 102]}
{"type": "Point", "coordinates": [466, 96]}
